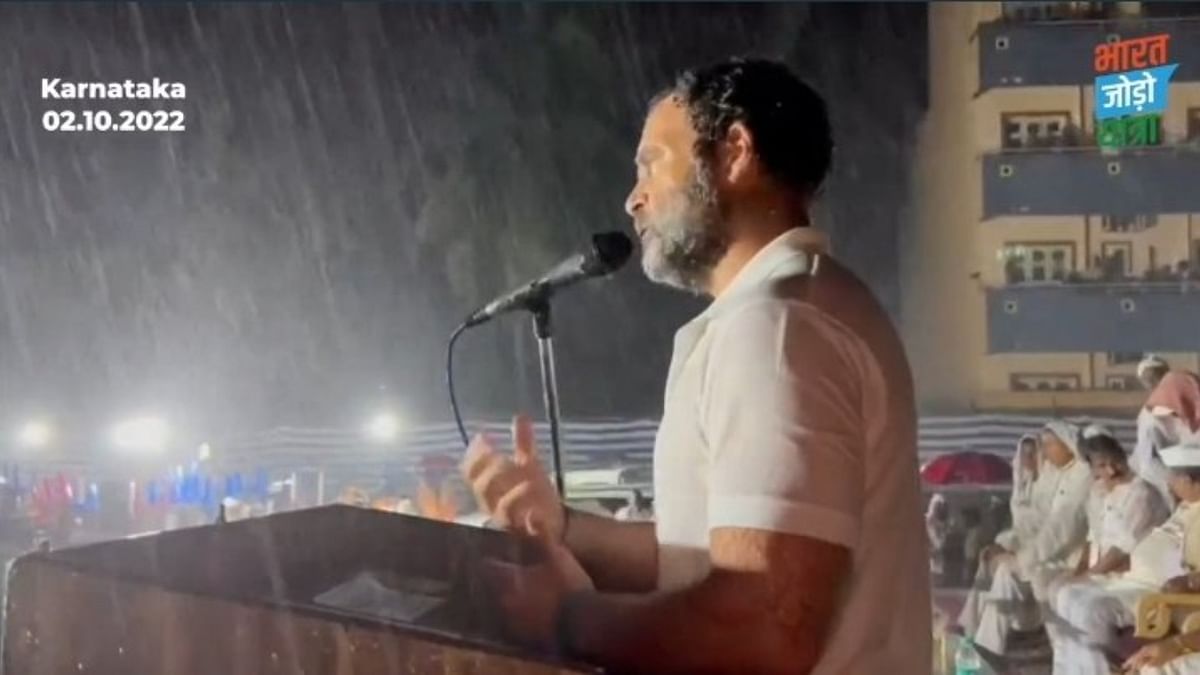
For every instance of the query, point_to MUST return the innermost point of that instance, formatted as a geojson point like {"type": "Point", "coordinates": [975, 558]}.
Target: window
{"type": "Point", "coordinates": [1058, 264]}
{"type": "Point", "coordinates": [1116, 260]}
{"type": "Point", "coordinates": [1170, 9]}
{"type": "Point", "coordinates": [1128, 222]}
{"type": "Point", "coordinates": [1043, 382]}
{"type": "Point", "coordinates": [1122, 383]}
{"type": "Point", "coordinates": [1034, 129]}
{"type": "Point", "coordinates": [1123, 358]}
{"type": "Point", "coordinates": [1040, 261]}
{"type": "Point", "coordinates": [1055, 11]}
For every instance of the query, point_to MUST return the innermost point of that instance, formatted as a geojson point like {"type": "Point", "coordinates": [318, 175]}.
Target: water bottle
{"type": "Point", "coordinates": [966, 660]}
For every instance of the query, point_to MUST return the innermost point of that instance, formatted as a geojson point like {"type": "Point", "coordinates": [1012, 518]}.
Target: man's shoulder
{"type": "Point", "coordinates": [814, 285]}
{"type": "Point", "coordinates": [821, 308]}
{"type": "Point", "coordinates": [765, 315]}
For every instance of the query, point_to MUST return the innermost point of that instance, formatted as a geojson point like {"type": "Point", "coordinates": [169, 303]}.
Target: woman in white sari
{"type": "Point", "coordinates": [1122, 510]}
{"type": "Point", "coordinates": [1011, 583]}
{"type": "Point", "coordinates": [1026, 507]}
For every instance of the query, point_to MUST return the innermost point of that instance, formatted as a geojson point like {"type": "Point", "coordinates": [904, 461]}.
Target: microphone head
{"type": "Point", "coordinates": [610, 250]}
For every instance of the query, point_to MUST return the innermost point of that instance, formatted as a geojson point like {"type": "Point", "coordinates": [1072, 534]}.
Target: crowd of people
{"type": "Point", "coordinates": [1093, 530]}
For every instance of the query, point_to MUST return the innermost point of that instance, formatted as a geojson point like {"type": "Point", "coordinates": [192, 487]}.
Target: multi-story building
{"type": "Point", "coordinates": [1041, 266]}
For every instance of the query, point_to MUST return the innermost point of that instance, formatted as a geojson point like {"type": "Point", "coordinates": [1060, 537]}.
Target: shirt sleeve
{"type": "Point", "coordinates": [1142, 514]}
{"type": "Point", "coordinates": [781, 412]}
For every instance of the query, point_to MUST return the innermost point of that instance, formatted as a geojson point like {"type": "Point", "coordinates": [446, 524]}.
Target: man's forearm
{"type": "Point", "coordinates": [713, 627]}
{"type": "Point", "coordinates": [619, 556]}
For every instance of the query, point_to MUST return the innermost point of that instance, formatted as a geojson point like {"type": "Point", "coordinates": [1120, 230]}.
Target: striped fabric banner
{"type": "Point", "coordinates": [586, 445]}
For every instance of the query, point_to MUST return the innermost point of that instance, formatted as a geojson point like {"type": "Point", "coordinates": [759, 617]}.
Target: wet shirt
{"type": "Point", "coordinates": [789, 408]}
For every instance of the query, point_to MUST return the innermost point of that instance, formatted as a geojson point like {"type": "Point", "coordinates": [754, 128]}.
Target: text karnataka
{"type": "Point", "coordinates": [129, 89]}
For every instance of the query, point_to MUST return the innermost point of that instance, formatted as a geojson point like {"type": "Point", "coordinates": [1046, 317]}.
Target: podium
{"type": "Point", "coordinates": [241, 598]}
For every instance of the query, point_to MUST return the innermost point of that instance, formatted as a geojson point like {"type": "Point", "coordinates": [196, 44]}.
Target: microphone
{"type": "Point", "coordinates": [610, 250]}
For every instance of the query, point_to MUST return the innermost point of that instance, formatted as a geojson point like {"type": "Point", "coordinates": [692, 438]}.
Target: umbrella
{"type": "Point", "coordinates": [967, 468]}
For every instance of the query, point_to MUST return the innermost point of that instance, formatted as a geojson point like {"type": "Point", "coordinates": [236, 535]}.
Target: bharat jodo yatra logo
{"type": "Point", "coordinates": [1131, 90]}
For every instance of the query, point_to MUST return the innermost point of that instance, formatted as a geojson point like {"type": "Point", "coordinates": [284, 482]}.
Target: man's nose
{"type": "Point", "coordinates": [635, 202]}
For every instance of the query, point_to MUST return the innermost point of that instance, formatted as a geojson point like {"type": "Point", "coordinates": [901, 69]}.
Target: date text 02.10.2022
{"type": "Point", "coordinates": [121, 120]}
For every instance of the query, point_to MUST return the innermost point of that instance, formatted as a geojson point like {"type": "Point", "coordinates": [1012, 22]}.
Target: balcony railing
{"type": "Point", "coordinates": [1094, 317]}
{"type": "Point", "coordinates": [1078, 180]}
{"type": "Point", "coordinates": [1058, 52]}
{"type": "Point", "coordinates": [1061, 402]}
{"type": "Point", "coordinates": [1086, 143]}
{"type": "Point", "coordinates": [1130, 287]}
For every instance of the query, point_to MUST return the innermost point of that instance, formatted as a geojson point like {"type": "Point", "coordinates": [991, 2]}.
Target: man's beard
{"type": "Point", "coordinates": [682, 247]}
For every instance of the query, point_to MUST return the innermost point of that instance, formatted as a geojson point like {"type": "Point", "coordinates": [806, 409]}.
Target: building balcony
{"type": "Point", "coordinates": [1060, 403]}
{"type": "Point", "coordinates": [1030, 53]}
{"type": "Point", "coordinates": [1063, 181]}
{"type": "Point", "coordinates": [1094, 317]}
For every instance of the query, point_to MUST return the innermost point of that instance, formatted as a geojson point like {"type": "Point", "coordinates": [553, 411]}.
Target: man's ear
{"type": "Point", "coordinates": [738, 150]}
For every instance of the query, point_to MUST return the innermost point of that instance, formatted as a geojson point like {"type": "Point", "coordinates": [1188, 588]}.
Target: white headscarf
{"type": "Point", "coordinates": [1025, 506]}
{"type": "Point", "coordinates": [1023, 479]}
{"type": "Point", "coordinates": [1068, 433]}
{"type": "Point", "coordinates": [1151, 361]}
{"type": "Point", "coordinates": [938, 507]}
{"type": "Point", "coordinates": [937, 521]}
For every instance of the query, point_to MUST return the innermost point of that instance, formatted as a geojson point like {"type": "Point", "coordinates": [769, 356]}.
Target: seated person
{"type": "Point", "coordinates": [1086, 614]}
{"type": "Point", "coordinates": [1122, 511]}
{"type": "Point", "coordinates": [1010, 583]}
{"type": "Point", "coordinates": [1026, 507]}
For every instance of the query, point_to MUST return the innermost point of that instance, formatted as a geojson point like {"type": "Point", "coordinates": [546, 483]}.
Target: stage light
{"type": "Point", "coordinates": [35, 434]}
{"type": "Point", "coordinates": [144, 434]}
{"type": "Point", "coordinates": [383, 428]}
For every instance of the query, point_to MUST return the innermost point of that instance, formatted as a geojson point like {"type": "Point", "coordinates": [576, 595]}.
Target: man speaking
{"type": "Point", "coordinates": [788, 535]}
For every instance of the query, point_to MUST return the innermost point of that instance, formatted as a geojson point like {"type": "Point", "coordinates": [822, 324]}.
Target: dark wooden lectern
{"type": "Point", "coordinates": [240, 599]}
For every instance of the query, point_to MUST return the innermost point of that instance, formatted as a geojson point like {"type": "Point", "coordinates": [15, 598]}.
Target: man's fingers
{"type": "Point", "coordinates": [479, 452]}
{"type": "Point", "coordinates": [493, 481]}
{"type": "Point", "coordinates": [512, 508]}
{"type": "Point", "coordinates": [524, 441]}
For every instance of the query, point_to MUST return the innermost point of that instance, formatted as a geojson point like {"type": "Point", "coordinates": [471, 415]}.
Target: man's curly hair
{"type": "Point", "coordinates": [787, 118]}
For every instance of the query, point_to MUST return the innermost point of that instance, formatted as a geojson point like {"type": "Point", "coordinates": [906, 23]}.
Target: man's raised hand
{"type": "Point", "coordinates": [515, 492]}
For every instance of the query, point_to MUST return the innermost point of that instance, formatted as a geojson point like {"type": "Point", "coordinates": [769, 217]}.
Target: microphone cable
{"type": "Point", "coordinates": [458, 420]}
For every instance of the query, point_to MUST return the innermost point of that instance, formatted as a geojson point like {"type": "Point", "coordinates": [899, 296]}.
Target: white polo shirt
{"type": "Point", "coordinates": [789, 408]}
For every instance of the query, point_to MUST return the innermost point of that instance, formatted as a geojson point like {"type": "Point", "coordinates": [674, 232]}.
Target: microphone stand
{"type": "Point", "coordinates": [545, 338]}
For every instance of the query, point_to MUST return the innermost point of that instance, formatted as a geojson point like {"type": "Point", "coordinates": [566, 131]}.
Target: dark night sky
{"type": "Point", "coordinates": [354, 179]}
